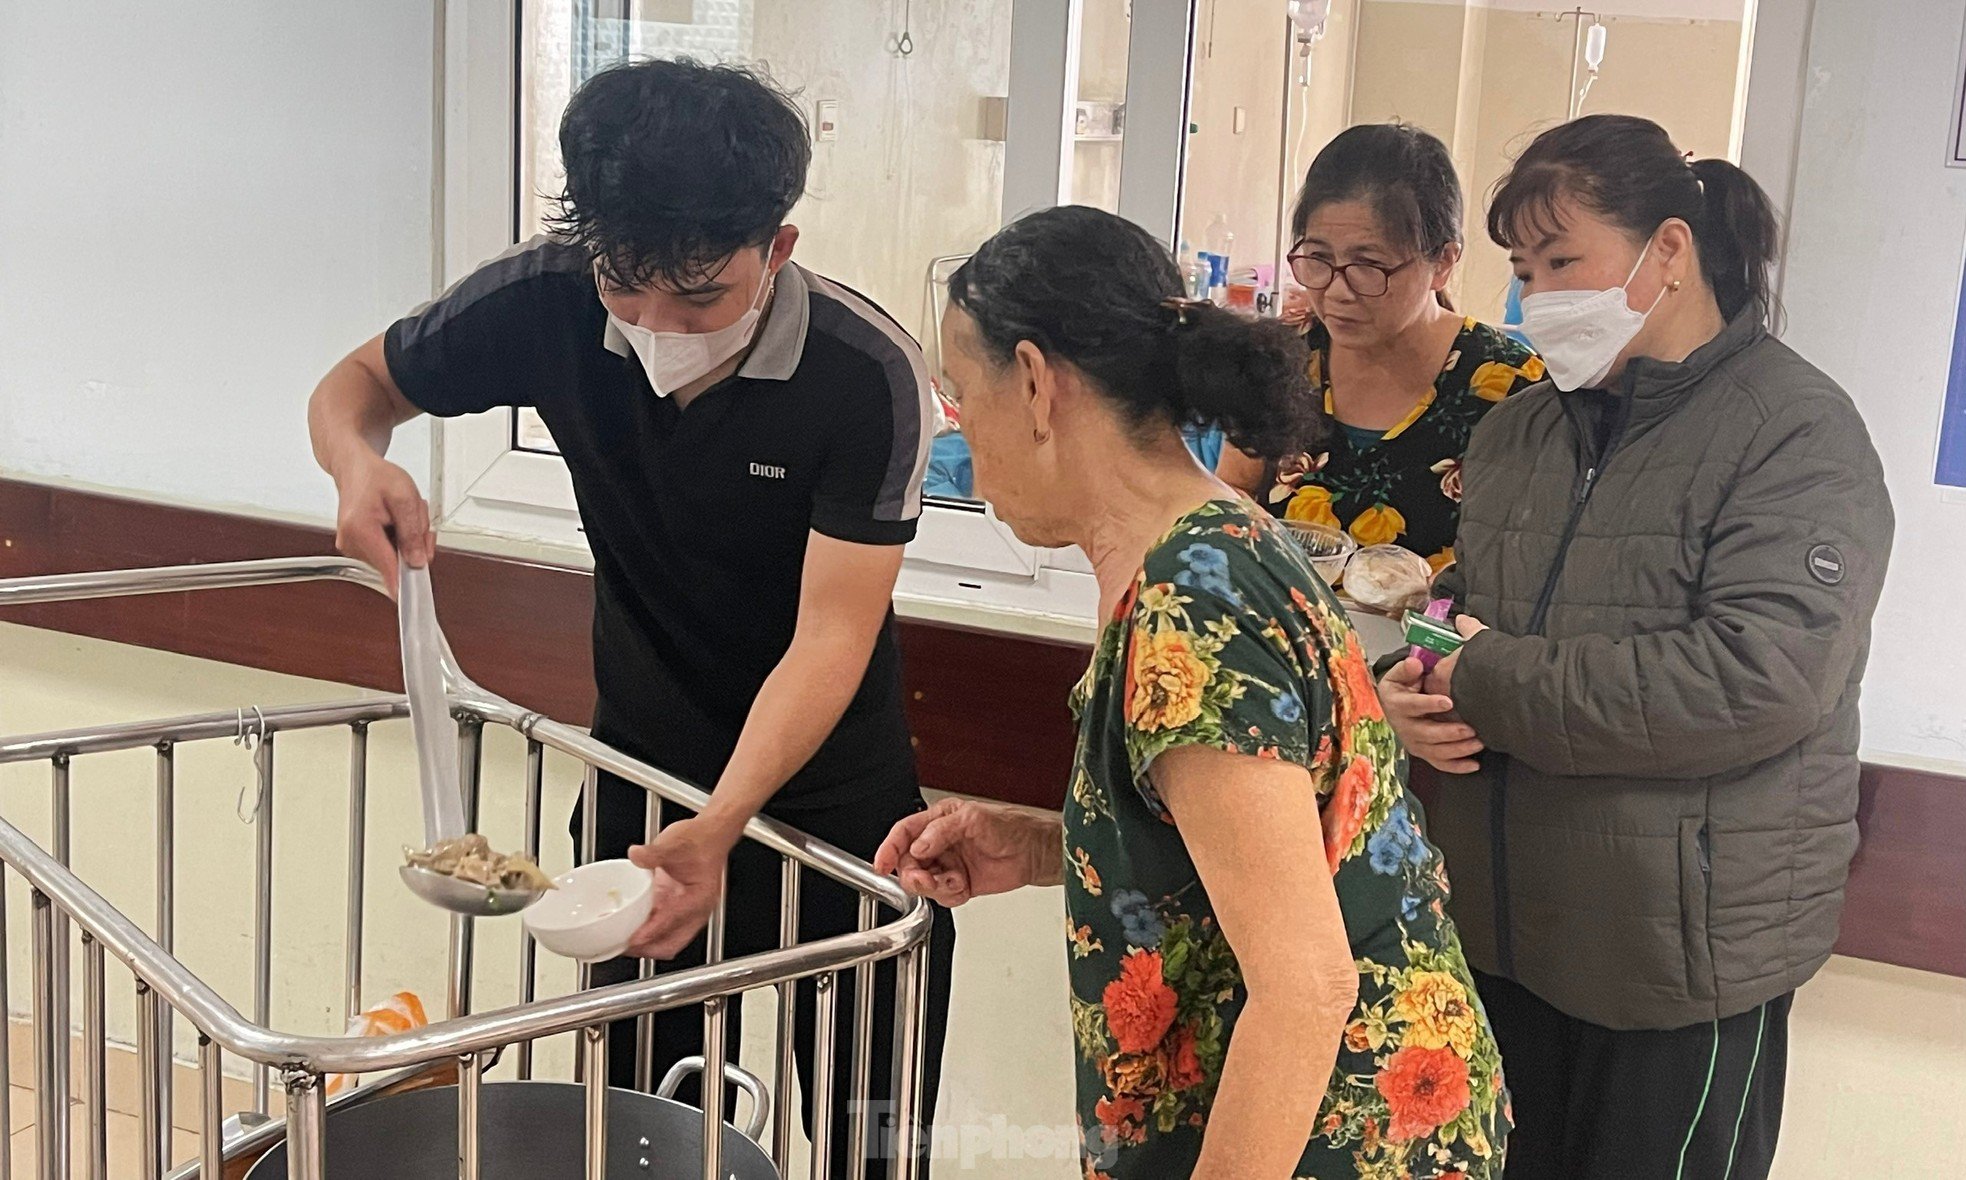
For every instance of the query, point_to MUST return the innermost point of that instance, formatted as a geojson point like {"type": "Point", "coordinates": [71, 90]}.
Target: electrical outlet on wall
{"type": "Point", "coordinates": [826, 120]}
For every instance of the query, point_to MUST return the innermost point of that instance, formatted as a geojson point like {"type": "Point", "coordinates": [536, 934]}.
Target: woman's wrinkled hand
{"type": "Point", "coordinates": [960, 849]}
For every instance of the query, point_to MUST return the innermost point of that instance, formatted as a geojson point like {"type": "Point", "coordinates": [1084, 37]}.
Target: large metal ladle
{"type": "Point", "coordinates": [425, 655]}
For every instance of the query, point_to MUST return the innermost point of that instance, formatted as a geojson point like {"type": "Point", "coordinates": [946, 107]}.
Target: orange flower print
{"type": "Point", "coordinates": [1344, 815]}
{"type": "Point", "coordinates": [1184, 1067]}
{"type": "Point", "coordinates": [1441, 560]}
{"type": "Point", "coordinates": [1358, 696]}
{"type": "Point", "coordinates": [1125, 1117]}
{"type": "Point", "coordinates": [1088, 876]}
{"type": "Point", "coordinates": [1449, 471]}
{"type": "Point", "coordinates": [1357, 1037]}
{"type": "Point", "coordinates": [1423, 1088]}
{"type": "Point", "coordinates": [1312, 504]}
{"type": "Point", "coordinates": [1166, 679]}
{"type": "Point", "coordinates": [1380, 524]}
{"type": "Point", "coordinates": [1139, 1075]}
{"type": "Point", "coordinates": [1083, 943]}
{"type": "Point", "coordinates": [1139, 1004]}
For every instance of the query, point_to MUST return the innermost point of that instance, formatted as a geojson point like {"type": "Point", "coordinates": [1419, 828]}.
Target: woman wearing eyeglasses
{"type": "Point", "coordinates": [1403, 376]}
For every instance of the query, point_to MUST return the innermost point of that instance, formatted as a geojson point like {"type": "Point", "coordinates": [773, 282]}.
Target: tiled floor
{"type": "Point", "coordinates": [124, 1155]}
{"type": "Point", "coordinates": [121, 1121]}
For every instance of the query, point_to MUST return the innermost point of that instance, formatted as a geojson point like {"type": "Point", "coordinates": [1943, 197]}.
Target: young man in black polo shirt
{"type": "Point", "coordinates": [747, 442]}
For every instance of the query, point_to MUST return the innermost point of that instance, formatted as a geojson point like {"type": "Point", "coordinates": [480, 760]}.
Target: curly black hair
{"type": "Point", "coordinates": [1098, 292]}
{"type": "Point", "coordinates": [673, 166]}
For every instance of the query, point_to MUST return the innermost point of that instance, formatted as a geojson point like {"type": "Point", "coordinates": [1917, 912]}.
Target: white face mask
{"type": "Point", "coordinates": [1579, 334]}
{"type": "Point", "coordinates": [674, 359]}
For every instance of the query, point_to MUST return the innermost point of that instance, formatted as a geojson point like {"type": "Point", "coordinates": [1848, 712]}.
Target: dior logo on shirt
{"type": "Point", "coordinates": [767, 471]}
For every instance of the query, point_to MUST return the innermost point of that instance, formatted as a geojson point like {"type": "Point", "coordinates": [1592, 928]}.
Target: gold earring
{"type": "Point", "coordinates": [1674, 285]}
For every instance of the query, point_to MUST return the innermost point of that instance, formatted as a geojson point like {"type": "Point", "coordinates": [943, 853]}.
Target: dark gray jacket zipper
{"type": "Point", "coordinates": [1498, 800]}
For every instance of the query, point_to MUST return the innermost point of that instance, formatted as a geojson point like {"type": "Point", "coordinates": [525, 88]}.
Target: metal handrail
{"type": "Point", "coordinates": [219, 1020]}
{"type": "Point", "coordinates": [138, 735]}
{"type": "Point", "coordinates": [166, 986]}
{"type": "Point", "coordinates": [172, 579]}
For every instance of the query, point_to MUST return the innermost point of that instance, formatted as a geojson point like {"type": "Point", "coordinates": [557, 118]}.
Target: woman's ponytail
{"type": "Point", "coordinates": [1098, 292]}
{"type": "Point", "coordinates": [1629, 171]}
{"type": "Point", "coordinates": [1736, 236]}
{"type": "Point", "coordinates": [1248, 376]}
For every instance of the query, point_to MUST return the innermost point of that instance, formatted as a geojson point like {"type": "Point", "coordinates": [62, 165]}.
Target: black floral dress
{"type": "Point", "coordinates": [1404, 489]}
{"type": "Point", "coordinates": [1229, 640]}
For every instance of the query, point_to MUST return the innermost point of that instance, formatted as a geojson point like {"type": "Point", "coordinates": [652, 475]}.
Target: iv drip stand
{"type": "Point", "coordinates": [1577, 55]}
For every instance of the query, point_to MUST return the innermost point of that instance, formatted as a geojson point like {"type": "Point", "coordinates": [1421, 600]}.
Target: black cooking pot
{"type": "Point", "coordinates": [527, 1131]}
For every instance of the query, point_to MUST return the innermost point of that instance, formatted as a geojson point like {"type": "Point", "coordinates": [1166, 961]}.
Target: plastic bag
{"type": "Point", "coordinates": [400, 1013]}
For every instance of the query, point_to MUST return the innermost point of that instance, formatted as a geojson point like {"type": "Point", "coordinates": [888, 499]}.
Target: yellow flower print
{"type": "Point", "coordinates": [1087, 795]}
{"type": "Point", "coordinates": [1438, 1015]}
{"type": "Point", "coordinates": [1442, 560]}
{"type": "Point", "coordinates": [1312, 505]}
{"type": "Point", "coordinates": [1533, 369]}
{"type": "Point", "coordinates": [1380, 524]}
{"type": "Point", "coordinates": [1156, 601]}
{"type": "Point", "coordinates": [1088, 876]}
{"type": "Point", "coordinates": [1493, 380]}
{"type": "Point", "coordinates": [1166, 681]}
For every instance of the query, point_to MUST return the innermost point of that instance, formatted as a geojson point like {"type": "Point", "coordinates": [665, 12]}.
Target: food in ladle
{"type": "Point", "coordinates": [470, 858]}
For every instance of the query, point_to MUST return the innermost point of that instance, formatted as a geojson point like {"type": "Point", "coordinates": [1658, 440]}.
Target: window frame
{"type": "Point", "coordinates": [965, 566]}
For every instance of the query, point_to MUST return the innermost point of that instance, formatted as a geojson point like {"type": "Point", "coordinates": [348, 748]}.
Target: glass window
{"type": "Point", "coordinates": [1267, 95]}
{"type": "Point", "coordinates": [1100, 119]}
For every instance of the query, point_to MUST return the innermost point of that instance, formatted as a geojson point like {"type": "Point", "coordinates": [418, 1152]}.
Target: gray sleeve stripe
{"type": "Point", "coordinates": [870, 329]}
{"type": "Point", "coordinates": [535, 256]}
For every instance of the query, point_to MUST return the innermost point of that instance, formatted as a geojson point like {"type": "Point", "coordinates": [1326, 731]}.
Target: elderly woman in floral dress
{"type": "Point", "coordinates": [1264, 982]}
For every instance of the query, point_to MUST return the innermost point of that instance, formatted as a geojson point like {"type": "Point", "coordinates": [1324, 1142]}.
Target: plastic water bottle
{"type": "Point", "coordinates": [1219, 242]}
{"type": "Point", "coordinates": [1195, 271]}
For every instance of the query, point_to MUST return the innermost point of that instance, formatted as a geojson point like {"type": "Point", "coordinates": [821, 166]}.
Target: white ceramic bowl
{"type": "Point", "coordinates": [593, 911]}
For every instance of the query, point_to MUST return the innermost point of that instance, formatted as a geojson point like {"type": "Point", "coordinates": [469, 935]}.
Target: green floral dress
{"type": "Point", "coordinates": [1229, 640]}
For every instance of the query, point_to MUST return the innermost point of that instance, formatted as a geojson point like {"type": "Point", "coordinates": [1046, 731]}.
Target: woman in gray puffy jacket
{"type": "Point", "coordinates": [1668, 558]}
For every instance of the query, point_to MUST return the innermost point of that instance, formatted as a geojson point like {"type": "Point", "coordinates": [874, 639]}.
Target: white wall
{"type": "Point", "coordinates": [1871, 287]}
{"type": "Point", "coordinates": [206, 204]}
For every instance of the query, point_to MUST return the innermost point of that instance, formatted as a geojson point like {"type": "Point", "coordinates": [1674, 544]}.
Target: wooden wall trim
{"type": "Point", "coordinates": [988, 711]}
